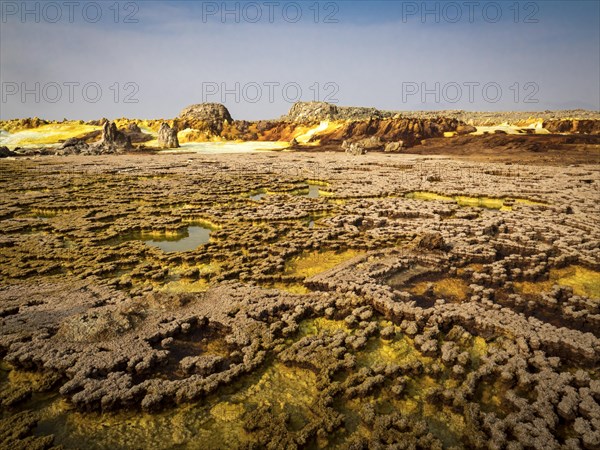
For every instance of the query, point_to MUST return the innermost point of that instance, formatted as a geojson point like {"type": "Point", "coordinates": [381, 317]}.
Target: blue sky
{"type": "Point", "coordinates": [539, 55]}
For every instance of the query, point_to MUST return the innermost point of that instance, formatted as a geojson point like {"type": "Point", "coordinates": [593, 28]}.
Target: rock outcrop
{"type": "Point", "coordinates": [327, 126]}
{"type": "Point", "coordinates": [394, 147]}
{"type": "Point", "coordinates": [465, 129]}
{"type": "Point", "coordinates": [5, 152]}
{"type": "Point", "coordinates": [315, 112]}
{"type": "Point", "coordinates": [74, 146]}
{"type": "Point", "coordinates": [409, 131]}
{"type": "Point", "coordinates": [573, 126]}
{"type": "Point", "coordinates": [355, 124]}
{"type": "Point", "coordinates": [311, 112]}
{"type": "Point", "coordinates": [167, 136]}
{"type": "Point", "coordinates": [113, 140]}
{"type": "Point", "coordinates": [206, 116]}
{"type": "Point", "coordinates": [353, 148]}
{"type": "Point", "coordinates": [136, 134]}
{"type": "Point", "coordinates": [362, 146]}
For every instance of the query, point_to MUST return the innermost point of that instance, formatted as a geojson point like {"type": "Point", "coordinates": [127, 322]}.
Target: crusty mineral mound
{"type": "Point", "coordinates": [311, 112]}
{"type": "Point", "coordinates": [314, 112]}
{"type": "Point", "coordinates": [206, 115]}
{"type": "Point", "coordinates": [454, 288]}
{"type": "Point", "coordinates": [167, 136]}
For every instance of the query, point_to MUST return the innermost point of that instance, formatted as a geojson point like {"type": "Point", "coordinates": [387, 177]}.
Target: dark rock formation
{"type": "Point", "coordinates": [167, 136]}
{"type": "Point", "coordinates": [136, 134]}
{"type": "Point", "coordinates": [210, 116]}
{"type": "Point", "coordinates": [133, 128]}
{"type": "Point", "coordinates": [74, 146]}
{"type": "Point", "coordinates": [5, 152]}
{"type": "Point", "coordinates": [113, 140]}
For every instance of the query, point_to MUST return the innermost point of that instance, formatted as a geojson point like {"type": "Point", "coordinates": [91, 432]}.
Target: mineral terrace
{"type": "Point", "coordinates": [299, 299]}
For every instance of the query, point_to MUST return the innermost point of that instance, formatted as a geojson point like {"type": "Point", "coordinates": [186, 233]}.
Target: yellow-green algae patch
{"type": "Point", "coordinates": [475, 267]}
{"type": "Point", "coordinates": [584, 281]}
{"type": "Point", "coordinates": [208, 268]}
{"type": "Point", "coordinates": [203, 269]}
{"type": "Point", "coordinates": [478, 349]}
{"type": "Point", "coordinates": [318, 325]}
{"type": "Point", "coordinates": [318, 182]}
{"type": "Point", "coordinates": [446, 425]}
{"type": "Point", "coordinates": [218, 421]}
{"type": "Point", "coordinates": [283, 387]}
{"type": "Point", "coordinates": [423, 195]}
{"type": "Point", "coordinates": [36, 381]}
{"type": "Point", "coordinates": [213, 423]}
{"type": "Point", "coordinates": [502, 204]}
{"type": "Point", "coordinates": [187, 427]}
{"type": "Point", "coordinates": [453, 288]}
{"type": "Point", "coordinates": [491, 396]}
{"type": "Point", "coordinates": [177, 284]}
{"type": "Point", "coordinates": [485, 202]}
{"type": "Point", "coordinates": [204, 223]}
{"type": "Point", "coordinates": [45, 213]}
{"type": "Point", "coordinates": [311, 263]}
{"type": "Point", "coordinates": [49, 134]}
{"type": "Point", "coordinates": [400, 350]}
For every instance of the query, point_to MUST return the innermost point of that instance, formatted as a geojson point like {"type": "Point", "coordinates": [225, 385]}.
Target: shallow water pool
{"type": "Point", "coordinates": [190, 240]}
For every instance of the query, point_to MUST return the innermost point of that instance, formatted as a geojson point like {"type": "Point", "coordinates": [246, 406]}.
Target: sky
{"type": "Point", "coordinates": [150, 59]}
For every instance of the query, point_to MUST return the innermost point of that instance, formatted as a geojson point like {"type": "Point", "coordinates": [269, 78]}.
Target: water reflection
{"type": "Point", "coordinates": [190, 240]}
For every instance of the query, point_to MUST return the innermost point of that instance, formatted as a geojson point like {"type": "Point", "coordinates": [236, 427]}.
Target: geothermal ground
{"type": "Point", "coordinates": [285, 300]}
